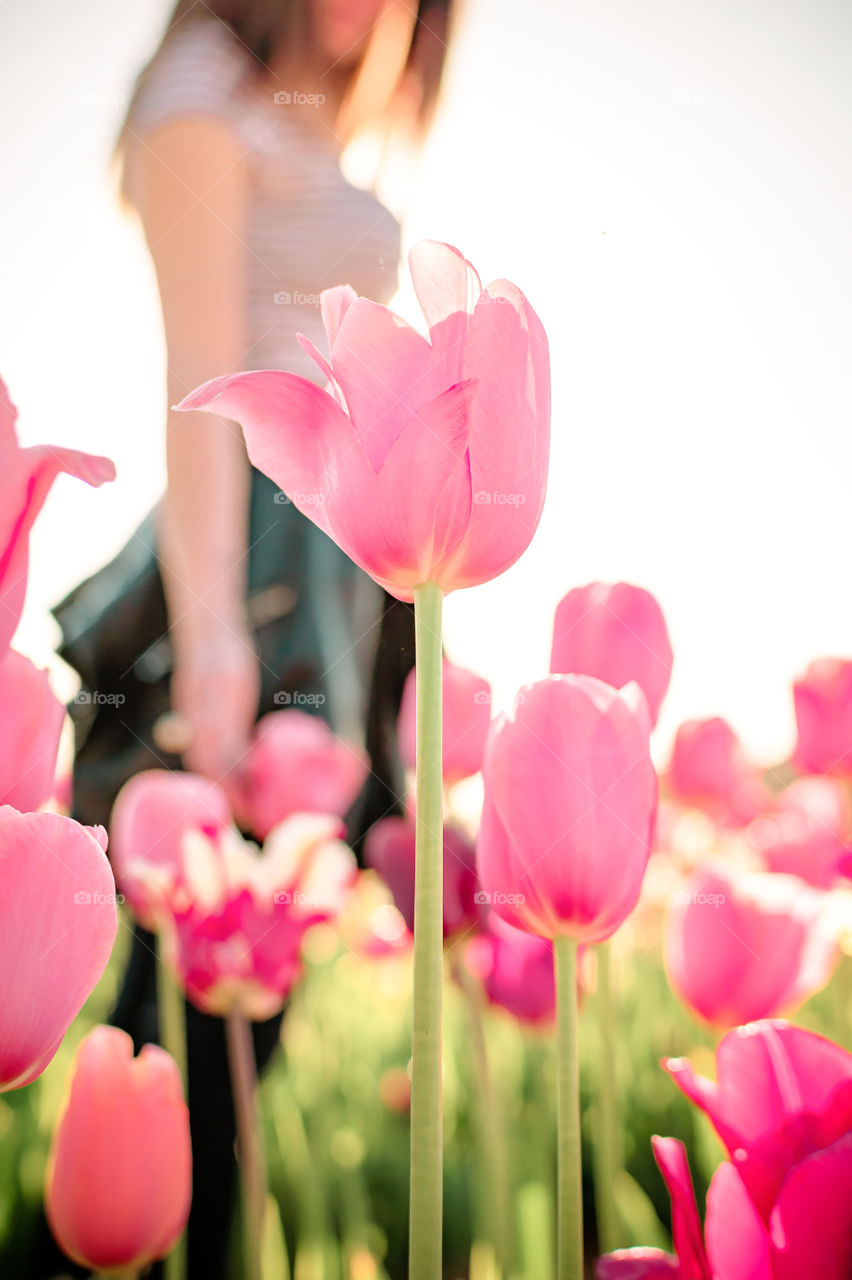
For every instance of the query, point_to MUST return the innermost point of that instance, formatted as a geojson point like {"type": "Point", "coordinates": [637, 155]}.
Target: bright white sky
{"type": "Point", "coordinates": [667, 180]}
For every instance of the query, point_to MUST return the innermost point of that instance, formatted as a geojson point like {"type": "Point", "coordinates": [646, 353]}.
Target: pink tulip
{"type": "Point", "coordinates": [617, 633]}
{"type": "Point", "coordinates": [151, 815]}
{"type": "Point", "coordinates": [747, 946]}
{"type": "Point", "coordinates": [119, 1180]}
{"type": "Point", "coordinates": [709, 769]}
{"type": "Point", "coordinates": [425, 459]}
{"type": "Point", "coordinates": [235, 919]}
{"type": "Point", "coordinates": [389, 850]}
{"type": "Point", "coordinates": [780, 1209]}
{"type": "Point", "coordinates": [807, 832]}
{"type": "Point", "coordinates": [466, 712]}
{"type": "Point", "coordinates": [32, 718]}
{"type": "Point", "coordinates": [570, 803]}
{"type": "Point", "coordinates": [823, 701]}
{"type": "Point", "coordinates": [26, 476]}
{"type": "Point", "coordinates": [295, 765]}
{"type": "Point", "coordinates": [58, 922]}
{"type": "Point", "coordinates": [516, 970]}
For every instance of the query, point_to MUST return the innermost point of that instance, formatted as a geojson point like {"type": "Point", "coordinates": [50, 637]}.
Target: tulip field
{"type": "Point", "coordinates": [598, 1027]}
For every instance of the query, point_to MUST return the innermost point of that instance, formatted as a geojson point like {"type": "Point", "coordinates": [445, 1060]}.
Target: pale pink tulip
{"type": "Point", "coordinates": [744, 946]}
{"type": "Point", "coordinates": [119, 1179]}
{"type": "Point", "coordinates": [617, 633]}
{"type": "Point", "coordinates": [389, 850]}
{"type": "Point", "coordinates": [425, 459]}
{"type": "Point", "coordinates": [295, 764]}
{"type": "Point", "coordinates": [151, 815]}
{"type": "Point", "coordinates": [31, 717]}
{"type": "Point", "coordinates": [823, 701]}
{"type": "Point", "coordinates": [235, 919]}
{"type": "Point", "coordinates": [808, 831]}
{"type": "Point", "coordinates": [710, 770]}
{"type": "Point", "coordinates": [58, 922]}
{"type": "Point", "coordinates": [570, 804]}
{"type": "Point", "coordinates": [466, 716]}
{"type": "Point", "coordinates": [25, 479]}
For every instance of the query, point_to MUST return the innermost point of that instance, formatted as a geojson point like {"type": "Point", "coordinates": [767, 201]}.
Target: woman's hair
{"type": "Point", "coordinates": [395, 84]}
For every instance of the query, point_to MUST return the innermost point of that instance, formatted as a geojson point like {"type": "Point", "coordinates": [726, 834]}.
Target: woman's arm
{"type": "Point", "coordinates": [193, 202]}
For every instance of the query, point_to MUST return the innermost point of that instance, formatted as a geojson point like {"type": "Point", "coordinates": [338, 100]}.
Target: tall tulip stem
{"type": "Point", "coordinates": [606, 1147]}
{"type": "Point", "coordinates": [426, 1189]}
{"type": "Point", "coordinates": [249, 1139]}
{"type": "Point", "coordinates": [570, 1193]}
{"type": "Point", "coordinates": [171, 1012]}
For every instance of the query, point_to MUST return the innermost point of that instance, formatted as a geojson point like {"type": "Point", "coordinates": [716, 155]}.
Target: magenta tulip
{"type": "Point", "coordinates": [119, 1180]}
{"type": "Point", "coordinates": [425, 459]}
{"type": "Point", "coordinates": [808, 831]}
{"type": "Point", "coordinates": [26, 476]}
{"type": "Point", "coordinates": [570, 804]}
{"type": "Point", "coordinates": [516, 971]}
{"type": "Point", "coordinates": [151, 815]}
{"type": "Point", "coordinates": [295, 764]}
{"type": "Point", "coordinates": [466, 716]}
{"type": "Point", "coordinates": [32, 718]}
{"type": "Point", "coordinates": [744, 946]}
{"type": "Point", "coordinates": [709, 769]}
{"type": "Point", "coordinates": [617, 633]}
{"type": "Point", "coordinates": [235, 919]}
{"type": "Point", "coordinates": [823, 701]}
{"type": "Point", "coordinates": [58, 922]}
{"type": "Point", "coordinates": [389, 850]}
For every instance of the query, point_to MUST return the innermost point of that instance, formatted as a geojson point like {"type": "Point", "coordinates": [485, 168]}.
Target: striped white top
{"type": "Point", "coordinates": [309, 228]}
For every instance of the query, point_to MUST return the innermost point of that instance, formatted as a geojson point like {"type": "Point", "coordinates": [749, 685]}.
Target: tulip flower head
{"type": "Point", "coordinates": [425, 459]}
{"type": "Point", "coordinates": [234, 920]}
{"type": "Point", "coordinates": [709, 769]}
{"type": "Point", "coordinates": [823, 702]}
{"type": "Point", "coordinates": [32, 718]}
{"type": "Point", "coordinates": [570, 807]}
{"type": "Point", "coordinates": [516, 970]}
{"type": "Point", "coordinates": [389, 850]}
{"type": "Point", "coordinates": [26, 476]}
{"type": "Point", "coordinates": [465, 719]}
{"type": "Point", "coordinates": [617, 633]}
{"type": "Point", "coordinates": [119, 1179]}
{"type": "Point", "coordinates": [58, 922]}
{"type": "Point", "coordinates": [807, 833]}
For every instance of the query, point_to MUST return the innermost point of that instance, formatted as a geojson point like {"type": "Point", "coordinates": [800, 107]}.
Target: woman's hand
{"type": "Point", "coordinates": [215, 691]}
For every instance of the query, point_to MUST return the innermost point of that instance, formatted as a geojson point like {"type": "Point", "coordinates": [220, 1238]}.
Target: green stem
{"type": "Point", "coordinates": [607, 1156]}
{"type": "Point", "coordinates": [249, 1138]}
{"type": "Point", "coordinates": [570, 1193]}
{"type": "Point", "coordinates": [171, 1012]}
{"type": "Point", "coordinates": [426, 1190]}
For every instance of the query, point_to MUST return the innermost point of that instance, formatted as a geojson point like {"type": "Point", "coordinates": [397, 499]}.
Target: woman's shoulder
{"type": "Point", "coordinates": [199, 72]}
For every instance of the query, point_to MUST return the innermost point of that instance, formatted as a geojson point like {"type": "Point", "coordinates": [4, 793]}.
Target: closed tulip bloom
{"type": "Point", "coordinates": [823, 702]}
{"type": "Point", "coordinates": [617, 633]}
{"type": "Point", "coordinates": [516, 971]}
{"type": "Point", "coordinates": [119, 1179]}
{"type": "Point", "coordinates": [710, 770]}
{"type": "Point", "coordinates": [236, 918]}
{"type": "Point", "coordinates": [466, 716]}
{"type": "Point", "coordinates": [745, 946]}
{"type": "Point", "coordinates": [151, 815]}
{"type": "Point", "coordinates": [424, 459]}
{"type": "Point", "coordinates": [32, 718]}
{"type": "Point", "coordinates": [569, 810]}
{"type": "Point", "coordinates": [807, 834]}
{"type": "Point", "coordinates": [389, 850]}
{"type": "Point", "coordinates": [58, 922]}
{"type": "Point", "coordinates": [295, 764]}
{"type": "Point", "coordinates": [26, 476]}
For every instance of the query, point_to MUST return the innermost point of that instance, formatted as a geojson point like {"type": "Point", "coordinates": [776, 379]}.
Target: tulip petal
{"type": "Point", "coordinates": [638, 1264]}
{"type": "Point", "coordinates": [32, 718]}
{"type": "Point", "coordinates": [737, 1240]}
{"type": "Point", "coordinates": [811, 1224]}
{"type": "Point", "coordinates": [444, 281]}
{"type": "Point", "coordinates": [686, 1225]}
{"type": "Point", "coordinates": [334, 303]}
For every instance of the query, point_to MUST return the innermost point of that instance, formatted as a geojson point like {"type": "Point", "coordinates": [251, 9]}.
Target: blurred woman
{"type": "Point", "coordinates": [230, 154]}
